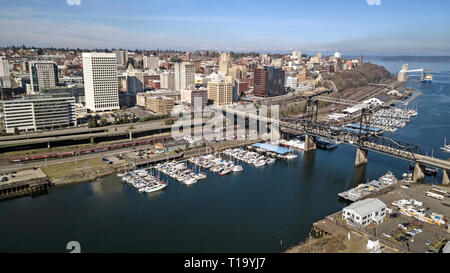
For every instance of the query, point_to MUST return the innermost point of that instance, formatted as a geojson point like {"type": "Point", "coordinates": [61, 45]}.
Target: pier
{"type": "Point", "coordinates": [24, 188]}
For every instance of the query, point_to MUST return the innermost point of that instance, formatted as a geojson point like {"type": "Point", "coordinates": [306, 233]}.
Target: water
{"type": "Point", "coordinates": [247, 212]}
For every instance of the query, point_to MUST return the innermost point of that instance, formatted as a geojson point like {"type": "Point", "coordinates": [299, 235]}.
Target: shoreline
{"type": "Point", "coordinates": [61, 182]}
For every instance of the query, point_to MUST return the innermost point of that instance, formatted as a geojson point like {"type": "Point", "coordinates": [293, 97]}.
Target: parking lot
{"type": "Point", "coordinates": [13, 177]}
{"type": "Point", "coordinates": [431, 233]}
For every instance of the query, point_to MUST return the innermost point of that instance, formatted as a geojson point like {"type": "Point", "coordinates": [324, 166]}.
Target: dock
{"type": "Point", "coordinates": [24, 188]}
{"type": "Point", "coordinates": [413, 97]}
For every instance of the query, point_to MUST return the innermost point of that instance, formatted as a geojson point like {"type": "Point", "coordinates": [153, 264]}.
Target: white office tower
{"type": "Point", "coordinates": [151, 62]}
{"type": "Point", "coordinates": [184, 76]}
{"type": "Point", "coordinates": [100, 81]}
{"type": "Point", "coordinates": [337, 55]}
{"type": "Point", "coordinates": [5, 78]}
{"type": "Point", "coordinates": [43, 74]}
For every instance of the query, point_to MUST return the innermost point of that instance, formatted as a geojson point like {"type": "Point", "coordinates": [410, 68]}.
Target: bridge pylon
{"type": "Point", "coordinates": [445, 177]}
{"type": "Point", "coordinates": [361, 157]}
{"type": "Point", "coordinates": [418, 175]}
{"type": "Point", "coordinates": [310, 143]}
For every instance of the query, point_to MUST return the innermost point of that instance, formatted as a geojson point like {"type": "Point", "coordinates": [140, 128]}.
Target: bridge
{"type": "Point", "coordinates": [363, 140]}
{"type": "Point", "coordinates": [403, 73]}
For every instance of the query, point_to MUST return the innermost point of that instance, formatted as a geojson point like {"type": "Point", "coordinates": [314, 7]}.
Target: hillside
{"type": "Point", "coordinates": [360, 76]}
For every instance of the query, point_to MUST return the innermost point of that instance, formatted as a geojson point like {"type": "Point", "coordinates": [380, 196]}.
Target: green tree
{"type": "Point", "coordinates": [16, 131]}
{"type": "Point", "coordinates": [168, 121]}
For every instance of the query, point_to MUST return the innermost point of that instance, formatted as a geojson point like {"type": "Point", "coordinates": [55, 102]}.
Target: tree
{"type": "Point", "coordinates": [103, 122]}
{"type": "Point", "coordinates": [16, 131]}
{"type": "Point", "coordinates": [92, 123]}
{"type": "Point", "coordinates": [168, 121]}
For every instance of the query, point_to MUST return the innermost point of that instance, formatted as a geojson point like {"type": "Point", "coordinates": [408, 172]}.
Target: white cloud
{"type": "Point", "coordinates": [73, 2]}
{"type": "Point", "coordinates": [369, 2]}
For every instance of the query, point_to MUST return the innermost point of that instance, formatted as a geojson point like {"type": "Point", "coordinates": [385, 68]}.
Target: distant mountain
{"type": "Point", "coordinates": [430, 59]}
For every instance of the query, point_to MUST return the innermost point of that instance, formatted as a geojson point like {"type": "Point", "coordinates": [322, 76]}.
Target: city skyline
{"type": "Point", "coordinates": [357, 26]}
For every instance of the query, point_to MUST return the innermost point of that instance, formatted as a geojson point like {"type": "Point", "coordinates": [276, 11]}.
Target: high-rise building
{"type": "Point", "coordinates": [168, 80]}
{"type": "Point", "coordinates": [184, 76]}
{"type": "Point", "coordinates": [361, 60]}
{"type": "Point", "coordinates": [43, 74]}
{"type": "Point", "coordinates": [220, 92]}
{"type": "Point", "coordinates": [337, 55]}
{"type": "Point", "coordinates": [122, 57]}
{"type": "Point", "coordinates": [134, 81]}
{"type": "Point", "coordinates": [224, 63]}
{"type": "Point", "coordinates": [151, 62]}
{"type": "Point", "coordinates": [199, 99]}
{"type": "Point", "coordinates": [39, 112]}
{"type": "Point", "coordinates": [238, 72]}
{"type": "Point", "coordinates": [268, 82]}
{"type": "Point", "coordinates": [100, 81]}
{"type": "Point", "coordinates": [5, 78]}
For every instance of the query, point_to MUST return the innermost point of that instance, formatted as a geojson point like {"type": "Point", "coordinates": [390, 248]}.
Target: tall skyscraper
{"type": "Point", "coordinates": [167, 80]}
{"type": "Point", "coordinates": [100, 81]}
{"type": "Point", "coordinates": [268, 81]}
{"type": "Point", "coordinates": [5, 78]}
{"type": "Point", "coordinates": [184, 76]}
{"type": "Point", "coordinates": [224, 63]}
{"type": "Point", "coordinates": [220, 92]}
{"type": "Point", "coordinates": [43, 74]}
{"type": "Point", "coordinates": [122, 57]}
{"type": "Point", "coordinates": [151, 62]}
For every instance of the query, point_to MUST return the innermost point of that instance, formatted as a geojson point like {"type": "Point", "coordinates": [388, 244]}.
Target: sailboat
{"type": "Point", "coordinates": [446, 147]}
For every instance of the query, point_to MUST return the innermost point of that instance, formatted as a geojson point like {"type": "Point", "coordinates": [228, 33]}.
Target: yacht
{"type": "Point", "coordinates": [290, 156]}
{"type": "Point", "coordinates": [260, 163]}
{"type": "Point", "coordinates": [190, 181]}
{"type": "Point", "coordinates": [238, 168]}
{"type": "Point", "coordinates": [446, 147]}
{"type": "Point", "coordinates": [271, 160]}
{"type": "Point", "coordinates": [225, 172]}
{"type": "Point", "coordinates": [388, 178]}
{"type": "Point", "coordinates": [156, 187]}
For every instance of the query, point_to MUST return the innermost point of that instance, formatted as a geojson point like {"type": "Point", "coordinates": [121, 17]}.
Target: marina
{"type": "Point", "coordinates": [390, 119]}
{"type": "Point", "coordinates": [144, 180]}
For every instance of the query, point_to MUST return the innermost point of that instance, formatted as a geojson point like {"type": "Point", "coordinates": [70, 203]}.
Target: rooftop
{"type": "Point", "coordinates": [366, 206]}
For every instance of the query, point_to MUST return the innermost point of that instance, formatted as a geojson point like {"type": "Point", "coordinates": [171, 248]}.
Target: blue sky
{"type": "Point", "coordinates": [351, 26]}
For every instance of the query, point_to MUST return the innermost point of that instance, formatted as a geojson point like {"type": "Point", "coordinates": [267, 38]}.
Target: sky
{"type": "Point", "coordinates": [350, 26]}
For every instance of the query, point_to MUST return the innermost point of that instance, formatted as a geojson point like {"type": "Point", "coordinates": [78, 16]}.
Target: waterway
{"type": "Point", "coordinates": [260, 210]}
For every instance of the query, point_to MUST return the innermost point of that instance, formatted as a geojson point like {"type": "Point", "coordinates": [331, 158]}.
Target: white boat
{"type": "Point", "coordinates": [446, 147]}
{"type": "Point", "coordinates": [225, 172]}
{"type": "Point", "coordinates": [157, 187]}
{"type": "Point", "coordinates": [271, 160]}
{"type": "Point", "coordinates": [190, 181]}
{"type": "Point", "coordinates": [290, 156]}
{"type": "Point", "coordinates": [388, 178]}
{"type": "Point", "coordinates": [260, 163]}
{"type": "Point", "coordinates": [238, 168]}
